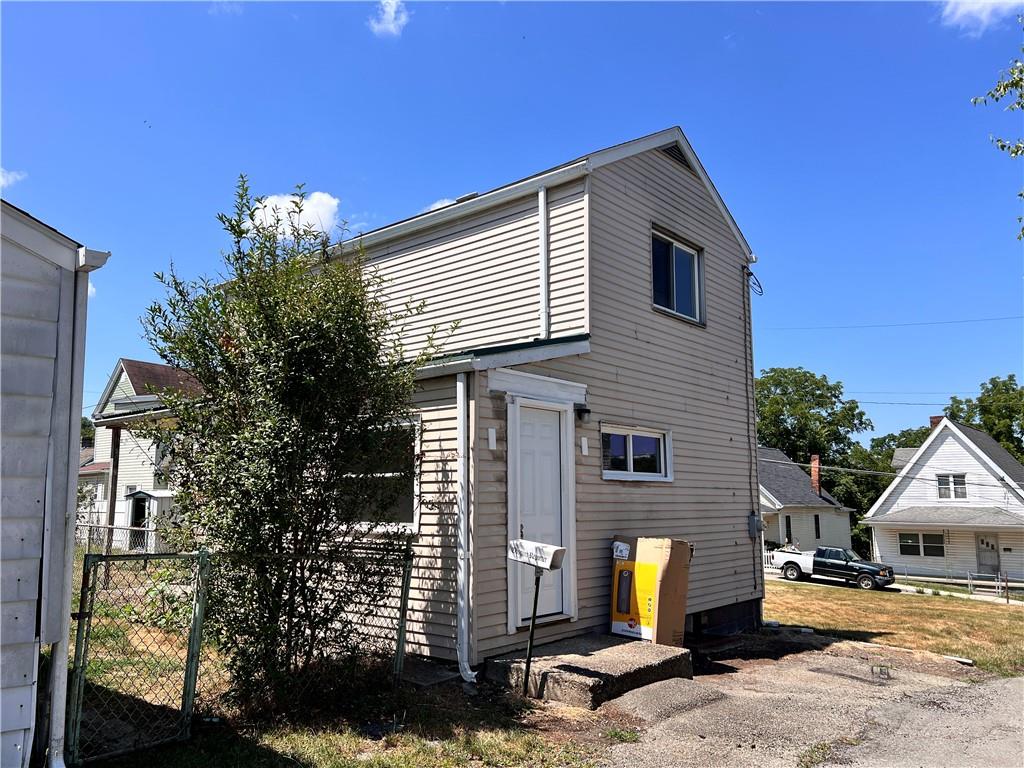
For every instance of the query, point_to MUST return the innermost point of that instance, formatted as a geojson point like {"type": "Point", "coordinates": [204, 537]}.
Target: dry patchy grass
{"type": "Point", "coordinates": [991, 634]}
{"type": "Point", "coordinates": [441, 728]}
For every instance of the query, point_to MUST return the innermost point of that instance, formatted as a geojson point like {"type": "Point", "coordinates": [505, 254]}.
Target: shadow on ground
{"type": "Point", "coordinates": [766, 645]}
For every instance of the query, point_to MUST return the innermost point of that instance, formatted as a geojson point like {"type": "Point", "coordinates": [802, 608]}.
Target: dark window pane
{"type": "Point", "coordinates": [910, 544]}
{"type": "Point", "coordinates": [931, 550]}
{"type": "Point", "coordinates": [402, 511]}
{"type": "Point", "coordinates": [661, 271]}
{"type": "Point", "coordinates": [613, 452]}
{"type": "Point", "coordinates": [647, 454]}
{"type": "Point", "coordinates": [960, 486]}
{"type": "Point", "coordinates": [685, 286]}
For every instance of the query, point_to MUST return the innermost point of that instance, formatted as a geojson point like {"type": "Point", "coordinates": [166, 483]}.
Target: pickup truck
{"type": "Point", "coordinates": [835, 562]}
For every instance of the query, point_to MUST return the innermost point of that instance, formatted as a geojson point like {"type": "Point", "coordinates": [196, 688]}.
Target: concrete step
{"type": "Point", "coordinates": [590, 670]}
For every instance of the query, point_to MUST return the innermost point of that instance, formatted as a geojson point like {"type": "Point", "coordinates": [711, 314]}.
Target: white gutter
{"type": "Point", "coordinates": [88, 260]}
{"type": "Point", "coordinates": [544, 331]}
{"type": "Point", "coordinates": [462, 508]}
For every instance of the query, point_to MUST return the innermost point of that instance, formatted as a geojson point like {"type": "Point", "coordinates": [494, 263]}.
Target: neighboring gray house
{"type": "Point", "coordinates": [956, 507]}
{"type": "Point", "coordinates": [44, 282]}
{"type": "Point", "coordinates": [599, 382]}
{"type": "Point", "coordinates": [795, 508]}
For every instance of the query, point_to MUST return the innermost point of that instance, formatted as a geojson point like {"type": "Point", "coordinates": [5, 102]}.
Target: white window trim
{"type": "Point", "coordinates": [698, 278]}
{"type": "Point", "coordinates": [645, 477]}
{"type": "Point", "coordinates": [921, 544]}
{"type": "Point", "coordinates": [951, 485]}
{"type": "Point", "coordinates": [570, 604]}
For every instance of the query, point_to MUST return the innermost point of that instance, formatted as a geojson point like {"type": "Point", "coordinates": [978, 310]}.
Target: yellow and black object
{"type": "Point", "coordinates": [650, 578]}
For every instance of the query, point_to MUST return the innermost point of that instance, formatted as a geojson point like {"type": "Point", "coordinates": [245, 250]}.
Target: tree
{"type": "Point", "coordinates": [88, 432]}
{"type": "Point", "coordinates": [802, 414]}
{"type": "Point", "coordinates": [297, 448]}
{"type": "Point", "coordinates": [860, 490]}
{"type": "Point", "coordinates": [1009, 86]}
{"type": "Point", "coordinates": [997, 410]}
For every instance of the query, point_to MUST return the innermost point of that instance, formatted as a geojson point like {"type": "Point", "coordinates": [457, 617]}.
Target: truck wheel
{"type": "Point", "coordinates": [791, 572]}
{"type": "Point", "coordinates": [865, 582]}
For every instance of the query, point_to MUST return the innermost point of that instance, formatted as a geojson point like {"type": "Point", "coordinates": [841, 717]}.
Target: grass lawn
{"type": "Point", "coordinates": [440, 727]}
{"type": "Point", "coordinates": [992, 635]}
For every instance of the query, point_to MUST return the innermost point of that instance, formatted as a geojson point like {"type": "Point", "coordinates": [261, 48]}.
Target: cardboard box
{"type": "Point", "coordinates": [650, 578]}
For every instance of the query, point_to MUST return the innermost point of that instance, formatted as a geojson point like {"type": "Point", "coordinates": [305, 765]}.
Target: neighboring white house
{"type": "Point", "coordinates": [44, 282]}
{"type": "Point", "coordinates": [956, 506]}
{"type": "Point", "coordinates": [126, 461]}
{"type": "Point", "coordinates": [795, 508]}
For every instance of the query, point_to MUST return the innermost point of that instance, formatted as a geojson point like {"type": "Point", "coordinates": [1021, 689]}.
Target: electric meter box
{"type": "Point", "coordinates": [650, 578]}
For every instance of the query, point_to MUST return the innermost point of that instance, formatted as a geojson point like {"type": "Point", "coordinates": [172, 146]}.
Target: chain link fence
{"type": "Point", "coordinates": [143, 666]}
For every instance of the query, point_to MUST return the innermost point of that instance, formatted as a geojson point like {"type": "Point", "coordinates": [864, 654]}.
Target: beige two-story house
{"type": "Point", "coordinates": [598, 382]}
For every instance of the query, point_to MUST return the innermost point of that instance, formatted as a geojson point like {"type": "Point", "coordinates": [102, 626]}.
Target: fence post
{"type": "Point", "coordinates": [402, 610]}
{"type": "Point", "coordinates": [195, 643]}
{"type": "Point", "coordinates": [86, 599]}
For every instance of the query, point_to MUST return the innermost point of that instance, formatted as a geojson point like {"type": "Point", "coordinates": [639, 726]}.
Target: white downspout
{"type": "Point", "coordinates": [544, 332]}
{"type": "Point", "coordinates": [88, 260]}
{"type": "Point", "coordinates": [462, 509]}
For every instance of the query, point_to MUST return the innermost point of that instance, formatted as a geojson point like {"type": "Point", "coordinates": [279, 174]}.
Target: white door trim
{"type": "Point", "coordinates": [568, 475]}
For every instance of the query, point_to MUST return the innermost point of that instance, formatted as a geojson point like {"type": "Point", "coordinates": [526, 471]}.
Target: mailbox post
{"type": "Point", "coordinates": [543, 558]}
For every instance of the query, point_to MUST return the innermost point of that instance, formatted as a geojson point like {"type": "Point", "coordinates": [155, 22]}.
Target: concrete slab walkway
{"type": "Point", "coordinates": [586, 671]}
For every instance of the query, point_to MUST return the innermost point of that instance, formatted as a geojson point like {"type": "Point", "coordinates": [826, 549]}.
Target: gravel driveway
{"type": "Point", "coordinates": [807, 700]}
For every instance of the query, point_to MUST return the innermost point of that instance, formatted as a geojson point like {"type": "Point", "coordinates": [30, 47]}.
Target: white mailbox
{"type": "Point", "coordinates": [547, 557]}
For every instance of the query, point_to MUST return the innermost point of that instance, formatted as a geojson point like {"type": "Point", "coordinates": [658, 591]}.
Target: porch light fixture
{"type": "Point", "coordinates": [582, 413]}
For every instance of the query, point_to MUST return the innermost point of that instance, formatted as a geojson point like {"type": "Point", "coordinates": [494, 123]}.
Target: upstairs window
{"type": "Point", "coordinates": [677, 274]}
{"type": "Point", "coordinates": [952, 486]}
{"type": "Point", "coordinates": [633, 454]}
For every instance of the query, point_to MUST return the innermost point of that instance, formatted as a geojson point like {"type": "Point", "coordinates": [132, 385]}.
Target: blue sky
{"type": "Point", "coordinates": [841, 136]}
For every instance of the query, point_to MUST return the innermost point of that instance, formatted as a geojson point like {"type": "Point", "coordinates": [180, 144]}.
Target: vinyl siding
{"type": "Point", "coordinates": [960, 552]}
{"type": "Point", "coordinates": [834, 525]}
{"type": "Point", "coordinates": [650, 370]}
{"type": "Point", "coordinates": [482, 273]}
{"type": "Point", "coordinates": [122, 390]}
{"type": "Point", "coordinates": [37, 303]}
{"type": "Point", "coordinates": [136, 468]}
{"type": "Point", "coordinates": [949, 454]}
{"type": "Point", "coordinates": [431, 619]}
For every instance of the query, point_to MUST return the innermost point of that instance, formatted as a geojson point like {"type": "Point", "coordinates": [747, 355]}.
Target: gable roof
{"type": "Point", "coordinates": [1001, 463]}
{"type": "Point", "coordinates": [153, 378]}
{"type": "Point", "coordinates": [786, 482]}
{"type": "Point", "coordinates": [672, 140]}
{"type": "Point", "coordinates": [146, 381]}
{"type": "Point", "coordinates": [1001, 457]}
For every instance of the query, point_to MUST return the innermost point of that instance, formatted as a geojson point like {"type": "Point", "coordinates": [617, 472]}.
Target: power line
{"type": "Point", "coordinates": [894, 325]}
{"type": "Point", "coordinates": [853, 471]}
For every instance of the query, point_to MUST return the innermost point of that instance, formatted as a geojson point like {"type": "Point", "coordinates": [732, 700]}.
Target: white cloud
{"type": "Point", "coordinates": [975, 16]}
{"type": "Point", "coordinates": [319, 210]}
{"type": "Point", "coordinates": [92, 289]}
{"type": "Point", "coordinates": [390, 20]}
{"type": "Point", "coordinates": [438, 204]}
{"type": "Point", "coordinates": [7, 178]}
{"type": "Point", "coordinates": [221, 8]}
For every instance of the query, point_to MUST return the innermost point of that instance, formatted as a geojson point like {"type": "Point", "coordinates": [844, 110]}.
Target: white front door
{"type": "Point", "coordinates": [540, 503]}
